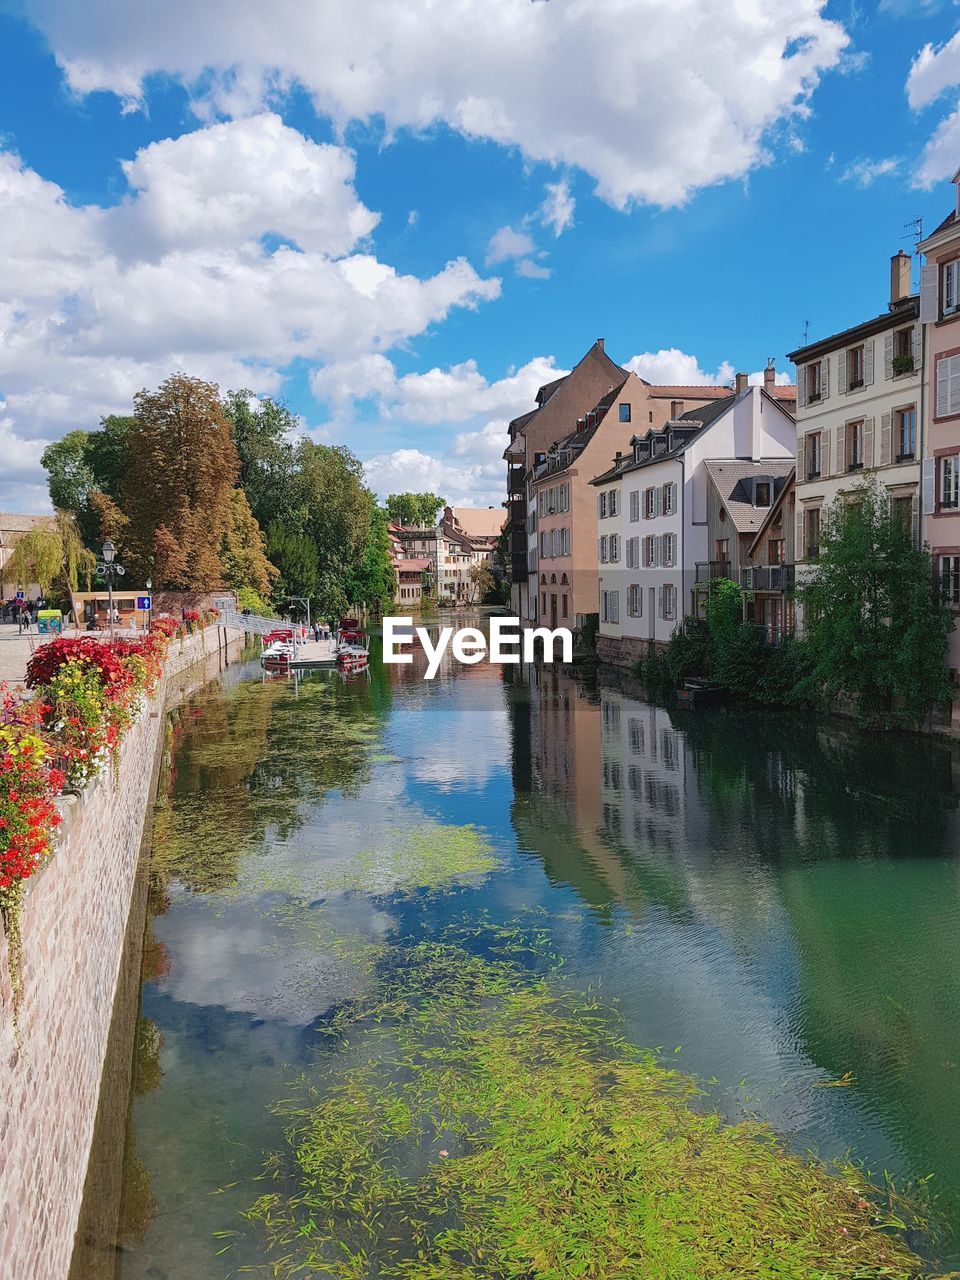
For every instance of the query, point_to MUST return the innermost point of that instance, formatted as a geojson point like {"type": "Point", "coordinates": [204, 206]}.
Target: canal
{"type": "Point", "coordinates": [773, 907]}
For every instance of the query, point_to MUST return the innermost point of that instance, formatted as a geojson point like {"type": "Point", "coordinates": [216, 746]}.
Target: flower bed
{"type": "Point", "coordinates": [85, 694]}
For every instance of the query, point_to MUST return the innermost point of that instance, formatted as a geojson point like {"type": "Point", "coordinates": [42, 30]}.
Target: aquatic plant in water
{"type": "Point", "coordinates": [480, 1124]}
{"type": "Point", "coordinates": [430, 855]}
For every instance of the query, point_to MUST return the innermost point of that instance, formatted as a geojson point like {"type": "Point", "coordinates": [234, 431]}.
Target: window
{"type": "Point", "coordinates": [635, 601]}
{"type": "Point", "coordinates": [669, 499]}
{"type": "Point", "coordinates": [609, 606]}
{"type": "Point", "coordinates": [565, 541]}
{"type": "Point", "coordinates": [814, 382]}
{"type": "Point", "coordinates": [723, 551]}
{"type": "Point", "coordinates": [624, 413]}
{"type": "Point", "coordinates": [906, 433]}
{"type": "Point", "coordinates": [855, 367]}
{"type": "Point", "coordinates": [854, 446]}
{"type": "Point", "coordinates": [635, 504]}
{"type": "Point", "coordinates": [545, 545]}
{"type": "Point", "coordinates": [950, 290]}
{"type": "Point", "coordinates": [543, 612]}
{"type": "Point", "coordinates": [613, 502]}
{"type": "Point", "coordinates": [542, 502]}
{"type": "Point", "coordinates": [604, 543]}
{"type": "Point", "coordinates": [558, 542]}
{"type": "Point", "coordinates": [566, 605]}
{"type": "Point", "coordinates": [668, 601]}
{"type": "Point", "coordinates": [948, 386]}
{"type": "Point", "coordinates": [814, 454]}
{"type": "Point", "coordinates": [648, 552]}
{"type": "Point", "coordinates": [950, 481]}
{"type": "Point", "coordinates": [649, 503]}
{"type": "Point", "coordinates": [633, 553]}
{"type": "Point", "coordinates": [903, 513]}
{"type": "Point", "coordinates": [601, 505]}
{"type": "Point", "coordinates": [776, 551]}
{"type": "Point", "coordinates": [668, 550]}
{"type": "Point", "coordinates": [761, 493]}
{"type": "Point", "coordinates": [614, 548]}
{"type": "Point", "coordinates": [903, 351]}
{"type": "Point", "coordinates": [637, 736]}
{"type": "Point", "coordinates": [950, 579]}
{"type": "Point", "coordinates": [676, 408]}
{"type": "Point", "coordinates": [811, 521]}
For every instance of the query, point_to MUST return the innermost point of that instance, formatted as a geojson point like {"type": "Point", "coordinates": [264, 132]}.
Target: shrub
{"type": "Point", "coordinates": [689, 651]}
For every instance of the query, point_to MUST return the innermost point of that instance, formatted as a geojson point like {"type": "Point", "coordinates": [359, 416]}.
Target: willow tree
{"type": "Point", "coordinates": [49, 553]}
{"type": "Point", "coordinates": [179, 484]}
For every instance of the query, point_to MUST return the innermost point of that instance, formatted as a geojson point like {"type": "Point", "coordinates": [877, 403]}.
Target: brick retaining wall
{"type": "Point", "coordinates": [73, 922]}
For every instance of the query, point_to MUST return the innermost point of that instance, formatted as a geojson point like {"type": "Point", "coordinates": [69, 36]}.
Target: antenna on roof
{"type": "Point", "coordinates": [806, 332]}
{"type": "Point", "coordinates": [914, 230]}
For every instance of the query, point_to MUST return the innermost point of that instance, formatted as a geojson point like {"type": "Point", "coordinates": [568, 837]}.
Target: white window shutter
{"type": "Point", "coordinates": [825, 453]}
{"type": "Point", "coordinates": [917, 345]}
{"type": "Point", "coordinates": [928, 493]}
{"type": "Point", "coordinates": [942, 406]}
{"type": "Point", "coordinates": [888, 356]}
{"type": "Point", "coordinates": [657, 500]}
{"type": "Point", "coordinates": [868, 363]}
{"type": "Point", "coordinates": [660, 602]}
{"type": "Point", "coordinates": [953, 387]}
{"type": "Point", "coordinates": [801, 385]}
{"type": "Point", "coordinates": [886, 439]}
{"type": "Point", "coordinates": [801, 442]}
{"type": "Point", "coordinates": [868, 460]}
{"type": "Point", "coordinates": [842, 373]}
{"type": "Point", "coordinates": [915, 520]}
{"type": "Point", "coordinates": [824, 377]}
{"type": "Point", "coordinates": [929, 302]}
{"type": "Point", "coordinates": [841, 448]}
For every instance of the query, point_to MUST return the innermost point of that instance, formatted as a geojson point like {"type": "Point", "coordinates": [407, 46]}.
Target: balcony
{"type": "Point", "coordinates": [707, 570]}
{"type": "Point", "coordinates": [767, 577]}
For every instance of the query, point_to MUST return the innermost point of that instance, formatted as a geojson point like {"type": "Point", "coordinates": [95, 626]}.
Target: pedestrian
{"type": "Point", "coordinates": [316, 631]}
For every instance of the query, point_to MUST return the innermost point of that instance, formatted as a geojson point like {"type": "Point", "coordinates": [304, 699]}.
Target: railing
{"type": "Point", "coordinates": [249, 622]}
{"type": "Point", "coordinates": [767, 577]}
{"type": "Point", "coordinates": [707, 570]}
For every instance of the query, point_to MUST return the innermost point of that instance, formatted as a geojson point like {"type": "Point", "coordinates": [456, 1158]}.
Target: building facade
{"type": "Point", "coordinates": [653, 516]}
{"type": "Point", "coordinates": [858, 402]}
{"type": "Point", "coordinates": [940, 313]}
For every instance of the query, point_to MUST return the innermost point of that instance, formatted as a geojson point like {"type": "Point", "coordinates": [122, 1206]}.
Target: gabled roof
{"type": "Point", "coordinates": [479, 522]}
{"type": "Point", "coordinates": [576, 441]}
{"type": "Point", "coordinates": [546, 393]}
{"type": "Point", "coordinates": [697, 419]}
{"type": "Point", "coordinates": [777, 505]}
{"type": "Point", "coordinates": [730, 477]}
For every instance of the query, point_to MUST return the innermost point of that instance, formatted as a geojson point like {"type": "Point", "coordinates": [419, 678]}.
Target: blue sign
{"type": "Point", "coordinates": [21, 595]}
{"type": "Point", "coordinates": [144, 603]}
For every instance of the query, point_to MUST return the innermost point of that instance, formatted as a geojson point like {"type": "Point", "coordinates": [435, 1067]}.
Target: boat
{"type": "Point", "coordinates": [697, 694]}
{"type": "Point", "coordinates": [353, 647]}
{"type": "Point", "coordinates": [278, 649]}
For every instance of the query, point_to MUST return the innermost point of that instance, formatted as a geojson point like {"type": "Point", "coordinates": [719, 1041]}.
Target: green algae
{"type": "Point", "coordinates": [428, 856]}
{"type": "Point", "coordinates": [481, 1124]}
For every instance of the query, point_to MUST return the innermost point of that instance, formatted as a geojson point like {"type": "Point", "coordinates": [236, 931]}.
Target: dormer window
{"type": "Point", "coordinates": [761, 493]}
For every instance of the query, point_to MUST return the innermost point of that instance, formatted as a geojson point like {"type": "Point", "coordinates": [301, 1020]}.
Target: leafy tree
{"type": "Point", "coordinates": [482, 582]}
{"type": "Point", "coordinates": [295, 557]}
{"type": "Point", "coordinates": [252, 602]}
{"type": "Point", "coordinates": [264, 432]}
{"type": "Point", "coordinates": [178, 484]}
{"type": "Point", "coordinates": [50, 553]}
{"type": "Point", "coordinates": [243, 553]}
{"type": "Point", "coordinates": [85, 463]}
{"type": "Point", "coordinates": [337, 506]}
{"type": "Point", "coordinates": [876, 626]}
{"type": "Point", "coordinates": [373, 581]}
{"type": "Point", "coordinates": [416, 510]}
{"type": "Point", "coordinates": [736, 644]}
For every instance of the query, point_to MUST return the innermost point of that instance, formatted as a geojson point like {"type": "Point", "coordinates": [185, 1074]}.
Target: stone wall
{"type": "Point", "coordinates": [74, 923]}
{"type": "Point", "coordinates": [622, 651]}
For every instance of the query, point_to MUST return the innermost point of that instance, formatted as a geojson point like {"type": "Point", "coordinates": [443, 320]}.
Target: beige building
{"type": "Point", "coordinates": [858, 398]}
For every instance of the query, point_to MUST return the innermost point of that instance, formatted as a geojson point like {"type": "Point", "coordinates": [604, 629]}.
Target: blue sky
{"type": "Point", "coordinates": [402, 219]}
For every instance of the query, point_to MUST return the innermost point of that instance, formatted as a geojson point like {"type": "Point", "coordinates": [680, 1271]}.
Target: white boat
{"type": "Point", "coordinates": [277, 654]}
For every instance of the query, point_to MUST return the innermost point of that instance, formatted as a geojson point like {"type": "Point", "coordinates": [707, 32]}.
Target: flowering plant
{"type": "Point", "coordinates": [85, 723]}
{"type": "Point", "coordinates": [193, 619]}
{"type": "Point", "coordinates": [166, 626]}
{"type": "Point", "coordinates": [49, 658]}
{"type": "Point", "coordinates": [28, 784]}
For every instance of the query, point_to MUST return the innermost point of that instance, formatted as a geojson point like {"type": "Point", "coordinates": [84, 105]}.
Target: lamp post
{"type": "Point", "coordinates": [150, 609]}
{"type": "Point", "coordinates": [108, 568]}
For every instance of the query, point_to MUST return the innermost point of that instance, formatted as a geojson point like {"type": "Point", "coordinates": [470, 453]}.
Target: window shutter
{"type": "Point", "coordinates": [929, 303]}
{"type": "Point", "coordinates": [886, 439]}
{"type": "Point", "coordinates": [942, 407]}
{"type": "Point", "coordinates": [917, 344]}
{"type": "Point", "coordinates": [888, 356]}
{"type": "Point", "coordinates": [801, 385]}
{"type": "Point", "coordinates": [868, 363]}
{"type": "Point", "coordinates": [825, 453]}
{"type": "Point", "coordinates": [953, 384]}
{"type": "Point", "coordinates": [868, 442]}
{"type": "Point", "coordinates": [598, 505]}
{"type": "Point", "coordinates": [800, 550]}
{"type": "Point", "coordinates": [915, 519]}
{"type": "Point", "coordinates": [842, 373]}
{"type": "Point", "coordinates": [660, 602]}
{"type": "Point", "coordinates": [928, 493]}
{"type": "Point", "coordinates": [635, 504]}
{"type": "Point", "coordinates": [656, 551]}
{"type": "Point", "coordinates": [824, 377]}
{"type": "Point", "coordinates": [800, 446]}
{"type": "Point", "coordinates": [841, 448]}
{"type": "Point", "coordinates": [657, 500]}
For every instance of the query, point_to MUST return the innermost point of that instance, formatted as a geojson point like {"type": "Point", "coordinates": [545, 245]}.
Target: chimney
{"type": "Point", "coordinates": [741, 384]}
{"type": "Point", "coordinates": [900, 265]}
{"type": "Point", "coordinates": [600, 343]}
{"type": "Point", "coordinates": [770, 376]}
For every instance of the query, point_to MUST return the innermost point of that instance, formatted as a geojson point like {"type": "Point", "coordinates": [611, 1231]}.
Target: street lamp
{"type": "Point", "coordinates": [150, 597]}
{"type": "Point", "coordinates": [108, 568]}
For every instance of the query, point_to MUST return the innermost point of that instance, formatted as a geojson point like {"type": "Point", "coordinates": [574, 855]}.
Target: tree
{"type": "Point", "coordinates": [337, 507]}
{"type": "Point", "coordinates": [295, 557]}
{"type": "Point", "coordinates": [373, 581]}
{"type": "Point", "coordinates": [876, 626]}
{"type": "Point", "coordinates": [264, 433]}
{"type": "Point", "coordinates": [178, 485]}
{"type": "Point", "coordinates": [48, 553]}
{"type": "Point", "coordinates": [416, 510]}
{"type": "Point", "coordinates": [243, 551]}
{"type": "Point", "coordinates": [85, 463]}
{"type": "Point", "coordinates": [482, 582]}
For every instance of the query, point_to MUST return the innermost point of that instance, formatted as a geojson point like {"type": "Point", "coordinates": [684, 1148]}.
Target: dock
{"type": "Point", "coordinates": [315, 653]}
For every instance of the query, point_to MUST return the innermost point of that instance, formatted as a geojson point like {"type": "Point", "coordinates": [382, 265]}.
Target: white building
{"type": "Point", "coordinates": [652, 525]}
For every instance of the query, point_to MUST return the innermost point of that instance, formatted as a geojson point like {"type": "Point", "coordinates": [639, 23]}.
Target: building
{"type": "Point", "coordinates": [13, 525]}
{"type": "Point", "coordinates": [940, 313]}
{"type": "Point", "coordinates": [858, 396]}
{"type": "Point", "coordinates": [768, 567]}
{"type": "Point", "coordinates": [472, 534]}
{"type": "Point", "coordinates": [652, 510]}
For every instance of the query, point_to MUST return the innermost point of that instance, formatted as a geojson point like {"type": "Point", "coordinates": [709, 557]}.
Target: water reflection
{"type": "Point", "coordinates": [778, 902]}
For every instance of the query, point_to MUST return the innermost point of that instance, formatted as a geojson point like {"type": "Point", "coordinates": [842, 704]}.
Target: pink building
{"type": "Point", "coordinates": [940, 315]}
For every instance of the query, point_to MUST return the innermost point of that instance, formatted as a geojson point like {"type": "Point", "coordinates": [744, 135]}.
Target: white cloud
{"type": "Point", "coordinates": [467, 479]}
{"type": "Point", "coordinates": [557, 209]}
{"type": "Point", "coordinates": [532, 270]}
{"type": "Point", "coordinates": [97, 303]}
{"type": "Point", "coordinates": [933, 71]}
{"type": "Point", "coordinates": [621, 89]}
{"type": "Point", "coordinates": [672, 367]}
{"type": "Point", "coordinates": [866, 172]}
{"type": "Point", "coordinates": [507, 243]}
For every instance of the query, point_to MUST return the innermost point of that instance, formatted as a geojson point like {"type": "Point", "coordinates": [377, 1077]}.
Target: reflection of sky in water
{"type": "Point", "coordinates": [665, 900]}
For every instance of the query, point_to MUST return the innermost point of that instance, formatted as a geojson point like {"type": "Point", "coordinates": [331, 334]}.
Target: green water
{"type": "Point", "coordinates": [777, 906]}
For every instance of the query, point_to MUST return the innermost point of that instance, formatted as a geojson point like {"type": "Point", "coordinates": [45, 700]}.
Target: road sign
{"type": "Point", "coordinates": [21, 595]}
{"type": "Point", "coordinates": [144, 603]}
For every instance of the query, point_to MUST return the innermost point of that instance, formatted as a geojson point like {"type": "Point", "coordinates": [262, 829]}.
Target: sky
{"type": "Point", "coordinates": [401, 219]}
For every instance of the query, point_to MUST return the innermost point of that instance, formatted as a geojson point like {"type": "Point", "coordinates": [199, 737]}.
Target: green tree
{"type": "Point", "coordinates": [295, 557]}
{"type": "Point", "coordinates": [735, 643]}
{"type": "Point", "coordinates": [243, 553]}
{"type": "Point", "coordinates": [83, 464]}
{"type": "Point", "coordinates": [264, 432]}
{"type": "Point", "coordinates": [109, 454]}
{"type": "Point", "coordinates": [876, 626]}
{"type": "Point", "coordinates": [373, 581]}
{"type": "Point", "coordinates": [337, 507]}
{"type": "Point", "coordinates": [416, 510]}
{"type": "Point", "coordinates": [51, 554]}
{"type": "Point", "coordinates": [178, 484]}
